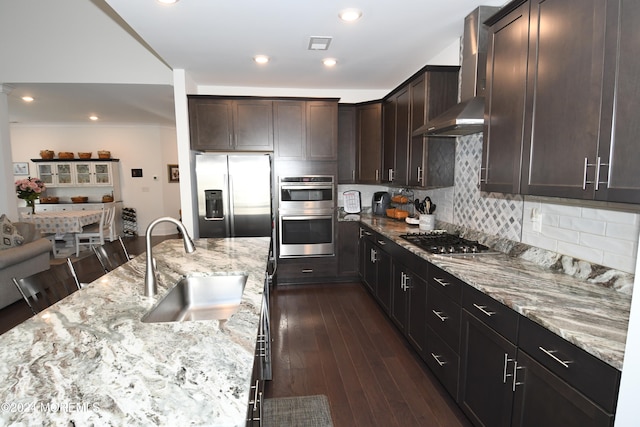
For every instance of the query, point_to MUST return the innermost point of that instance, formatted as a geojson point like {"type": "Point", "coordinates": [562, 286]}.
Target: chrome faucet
{"type": "Point", "coordinates": [150, 279]}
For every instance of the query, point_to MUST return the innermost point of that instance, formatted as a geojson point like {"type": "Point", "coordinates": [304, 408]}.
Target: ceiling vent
{"type": "Point", "coordinates": [319, 43]}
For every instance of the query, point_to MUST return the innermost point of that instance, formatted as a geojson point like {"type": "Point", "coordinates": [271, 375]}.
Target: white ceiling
{"type": "Point", "coordinates": [214, 41]}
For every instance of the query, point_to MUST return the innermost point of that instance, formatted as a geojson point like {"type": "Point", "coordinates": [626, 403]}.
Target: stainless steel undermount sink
{"type": "Point", "coordinates": [199, 298]}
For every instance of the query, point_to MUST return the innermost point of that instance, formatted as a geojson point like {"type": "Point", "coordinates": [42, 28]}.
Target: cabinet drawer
{"type": "Point", "coordinates": [443, 361]}
{"type": "Point", "coordinates": [496, 315]}
{"type": "Point", "coordinates": [306, 270]}
{"type": "Point", "coordinates": [450, 285]}
{"type": "Point", "coordinates": [443, 317]}
{"type": "Point", "coordinates": [591, 376]}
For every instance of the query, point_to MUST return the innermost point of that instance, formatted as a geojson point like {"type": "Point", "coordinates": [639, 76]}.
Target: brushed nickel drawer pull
{"type": "Point", "coordinates": [307, 270]}
{"type": "Point", "coordinates": [507, 359]}
{"type": "Point", "coordinates": [482, 308]}
{"type": "Point", "coordinates": [382, 242]}
{"type": "Point", "coordinates": [439, 315]}
{"type": "Point", "coordinates": [437, 359]}
{"type": "Point", "coordinates": [515, 376]}
{"type": "Point", "coordinates": [441, 282]}
{"type": "Point", "coordinates": [549, 353]}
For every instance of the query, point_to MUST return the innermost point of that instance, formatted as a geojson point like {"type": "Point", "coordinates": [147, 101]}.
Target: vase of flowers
{"type": "Point", "coordinates": [29, 190]}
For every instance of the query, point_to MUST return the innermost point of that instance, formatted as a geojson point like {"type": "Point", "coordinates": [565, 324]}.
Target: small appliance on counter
{"type": "Point", "coordinates": [352, 201]}
{"type": "Point", "coordinates": [380, 203]}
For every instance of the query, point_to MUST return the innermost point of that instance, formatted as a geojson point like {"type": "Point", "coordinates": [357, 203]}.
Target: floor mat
{"type": "Point", "coordinates": [303, 411]}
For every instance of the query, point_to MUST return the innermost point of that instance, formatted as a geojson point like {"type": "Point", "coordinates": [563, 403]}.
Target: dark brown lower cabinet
{"type": "Point", "coordinates": [409, 299]}
{"type": "Point", "coordinates": [375, 267]}
{"type": "Point", "coordinates": [543, 399]}
{"type": "Point", "coordinates": [486, 394]}
{"type": "Point", "coordinates": [348, 250]}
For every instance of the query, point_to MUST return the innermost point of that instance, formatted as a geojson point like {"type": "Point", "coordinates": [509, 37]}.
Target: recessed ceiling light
{"type": "Point", "coordinates": [319, 42]}
{"type": "Point", "coordinates": [261, 59]}
{"type": "Point", "coordinates": [93, 117]}
{"type": "Point", "coordinates": [27, 98]}
{"type": "Point", "coordinates": [350, 15]}
{"type": "Point", "coordinates": [329, 62]}
{"type": "Point", "coordinates": [167, 1]}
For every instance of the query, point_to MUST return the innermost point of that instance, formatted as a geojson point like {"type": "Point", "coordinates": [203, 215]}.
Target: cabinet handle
{"type": "Point", "coordinates": [373, 256]}
{"type": "Point", "coordinates": [439, 315]}
{"type": "Point", "coordinates": [419, 177]}
{"type": "Point", "coordinates": [584, 178]}
{"type": "Point", "coordinates": [507, 359]}
{"type": "Point", "coordinates": [598, 165]}
{"type": "Point", "coordinates": [307, 270]}
{"type": "Point", "coordinates": [480, 179]}
{"type": "Point", "coordinates": [482, 308]}
{"type": "Point", "coordinates": [377, 175]}
{"type": "Point", "coordinates": [437, 359]}
{"type": "Point", "coordinates": [382, 242]}
{"type": "Point", "coordinates": [441, 282]}
{"type": "Point", "coordinates": [256, 393]}
{"type": "Point", "coordinates": [515, 382]}
{"type": "Point", "coordinates": [391, 175]}
{"type": "Point", "coordinates": [549, 353]}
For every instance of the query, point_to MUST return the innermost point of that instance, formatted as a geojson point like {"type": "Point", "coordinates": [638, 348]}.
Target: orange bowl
{"type": "Point", "coordinates": [400, 214]}
{"type": "Point", "coordinates": [391, 212]}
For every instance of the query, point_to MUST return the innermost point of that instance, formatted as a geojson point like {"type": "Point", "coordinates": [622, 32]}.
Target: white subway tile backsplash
{"type": "Point", "coordinates": [582, 224]}
{"type": "Point", "coordinates": [539, 241]}
{"type": "Point", "coordinates": [561, 210]}
{"type": "Point", "coordinates": [614, 246]}
{"type": "Point", "coordinates": [581, 252]}
{"type": "Point", "coordinates": [561, 234]}
{"type": "Point", "coordinates": [623, 231]}
{"type": "Point", "coordinates": [620, 262]}
{"type": "Point", "coordinates": [610, 216]}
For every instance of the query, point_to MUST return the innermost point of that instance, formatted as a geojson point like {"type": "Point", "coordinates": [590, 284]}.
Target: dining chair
{"type": "Point", "coordinates": [87, 269]}
{"type": "Point", "coordinates": [112, 254]}
{"type": "Point", "coordinates": [43, 289]}
{"type": "Point", "coordinates": [94, 234]}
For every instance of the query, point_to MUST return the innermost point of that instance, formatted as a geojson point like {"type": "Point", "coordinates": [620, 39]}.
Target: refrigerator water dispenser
{"type": "Point", "coordinates": [213, 204]}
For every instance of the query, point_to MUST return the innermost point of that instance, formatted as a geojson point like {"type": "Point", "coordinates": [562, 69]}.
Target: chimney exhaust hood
{"type": "Point", "coordinates": [467, 117]}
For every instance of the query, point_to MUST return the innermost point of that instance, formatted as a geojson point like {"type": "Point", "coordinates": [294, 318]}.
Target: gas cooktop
{"type": "Point", "coordinates": [443, 243]}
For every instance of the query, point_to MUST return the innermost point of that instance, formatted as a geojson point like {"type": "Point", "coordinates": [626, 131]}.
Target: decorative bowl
{"type": "Point", "coordinates": [47, 154]}
{"type": "Point", "coordinates": [102, 154]}
{"type": "Point", "coordinates": [66, 155]}
{"type": "Point", "coordinates": [84, 155]}
{"type": "Point", "coordinates": [49, 199]}
{"type": "Point", "coordinates": [80, 199]}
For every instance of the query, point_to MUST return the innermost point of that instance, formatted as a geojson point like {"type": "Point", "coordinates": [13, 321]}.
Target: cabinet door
{"type": "Point", "coordinates": [369, 136]}
{"type": "Point", "coordinates": [64, 174]}
{"type": "Point", "coordinates": [46, 173]}
{"type": "Point", "coordinates": [348, 249]}
{"type": "Point", "coordinates": [566, 54]}
{"type": "Point", "coordinates": [621, 126]}
{"type": "Point", "coordinates": [102, 174]}
{"type": "Point", "coordinates": [322, 130]}
{"type": "Point", "coordinates": [487, 363]}
{"type": "Point", "coordinates": [543, 399]}
{"type": "Point", "coordinates": [83, 173]}
{"type": "Point", "coordinates": [384, 279]}
{"type": "Point", "coordinates": [346, 144]}
{"type": "Point", "coordinates": [290, 130]}
{"type": "Point", "coordinates": [253, 125]}
{"type": "Point", "coordinates": [388, 139]}
{"type": "Point", "coordinates": [399, 297]}
{"type": "Point", "coordinates": [418, 94]}
{"type": "Point", "coordinates": [505, 102]}
{"type": "Point", "coordinates": [400, 175]}
{"type": "Point", "coordinates": [416, 317]}
{"type": "Point", "coordinates": [368, 258]}
{"type": "Point", "coordinates": [211, 123]}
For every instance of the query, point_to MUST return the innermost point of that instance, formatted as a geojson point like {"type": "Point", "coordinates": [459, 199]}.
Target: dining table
{"type": "Point", "coordinates": [63, 222]}
{"type": "Point", "coordinates": [61, 226]}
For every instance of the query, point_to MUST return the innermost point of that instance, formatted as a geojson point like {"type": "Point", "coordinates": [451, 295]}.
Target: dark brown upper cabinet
{"type": "Point", "coordinates": [347, 144]}
{"type": "Point", "coordinates": [369, 142]}
{"type": "Point", "coordinates": [505, 102]}
{"type": "Point", "coordinates": [413, 161]}
{"type": "Point", "coordinates": [579, 126]}
{"type": "Point", "coordinates": [306, 130]}
{"type": "Point", "coordinates": [222, 124]}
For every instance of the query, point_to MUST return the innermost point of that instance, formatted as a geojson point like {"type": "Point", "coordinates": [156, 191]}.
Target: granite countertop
{"type": "Point", "coordinates": [593, 317]}
{"type": "Point", "coordinates": [89, 360]}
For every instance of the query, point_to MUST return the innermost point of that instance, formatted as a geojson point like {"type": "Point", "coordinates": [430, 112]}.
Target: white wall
{"type": "Point", "coordinates": [148, 148]}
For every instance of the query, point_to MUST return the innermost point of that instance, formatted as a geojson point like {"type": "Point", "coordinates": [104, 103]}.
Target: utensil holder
{"type": "Point", "coordinates": [427, 222]}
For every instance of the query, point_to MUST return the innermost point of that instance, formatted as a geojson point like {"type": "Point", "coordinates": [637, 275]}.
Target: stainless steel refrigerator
{"type": "Point", "coordinates": [234, 195]}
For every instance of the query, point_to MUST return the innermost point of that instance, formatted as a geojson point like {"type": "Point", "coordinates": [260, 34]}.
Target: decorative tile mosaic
{"type": "Point", "coordinates": [491, 213]}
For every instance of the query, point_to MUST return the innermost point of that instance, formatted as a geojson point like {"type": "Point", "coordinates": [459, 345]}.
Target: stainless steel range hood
{"type": "Point", "coordinates": [467, 117]}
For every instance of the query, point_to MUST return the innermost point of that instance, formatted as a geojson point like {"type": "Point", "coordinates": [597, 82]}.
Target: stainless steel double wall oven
{"type": "Point", "coordinates": [306, 216]}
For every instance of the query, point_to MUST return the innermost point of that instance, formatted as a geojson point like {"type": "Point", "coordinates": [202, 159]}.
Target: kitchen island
{"type": "Point", "coordinates": [89, 360]}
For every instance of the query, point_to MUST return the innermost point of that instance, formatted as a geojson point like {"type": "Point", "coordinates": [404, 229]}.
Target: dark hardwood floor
{"type": "Point", "coordinates": [335, 340]}
{"type": "Point", "coordinates": [87, 267]}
